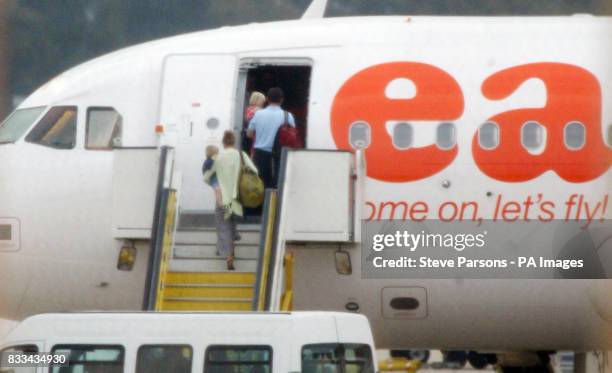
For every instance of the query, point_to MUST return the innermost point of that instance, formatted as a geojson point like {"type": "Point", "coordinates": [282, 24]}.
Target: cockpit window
{"type": "Point", "coordinates": [57, 129]}
{"type": "Point", "coordinates": [103, 129]}
{"type": "Point", "coordinates": [17, 123]}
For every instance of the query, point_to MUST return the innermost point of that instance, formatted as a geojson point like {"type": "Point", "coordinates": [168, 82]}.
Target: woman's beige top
{"type": "Point", "coordinates": [227, 168]}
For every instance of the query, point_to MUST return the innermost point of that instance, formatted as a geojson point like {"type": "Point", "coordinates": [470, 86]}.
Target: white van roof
{"type": "Point", "coordinates": [162, 326]}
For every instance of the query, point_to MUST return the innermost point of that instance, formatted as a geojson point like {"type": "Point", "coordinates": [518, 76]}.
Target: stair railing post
{"type": "Point", "coordinates": [266, 240]}
{"type": "Point", "coordinates": [275, 283]}
{"type": "Point", "coordinates": [157, 230]}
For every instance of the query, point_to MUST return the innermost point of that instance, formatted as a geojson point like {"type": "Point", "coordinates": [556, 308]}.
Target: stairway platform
{"type": "Point", "coordinates": [198, 279]}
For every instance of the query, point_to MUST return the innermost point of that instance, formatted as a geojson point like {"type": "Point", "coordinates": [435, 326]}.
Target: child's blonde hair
{"type": "Point", "coordinates": [211, 151]}
{"type": "Point", "coordinates": [257, 99]}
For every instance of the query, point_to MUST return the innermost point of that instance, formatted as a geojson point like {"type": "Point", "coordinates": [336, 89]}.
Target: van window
{"type": "Point", "coordinates": [90, 359]}
{"type": "Point", "coordinates": [103, 129]}
{"type": "Point", "coordinates": [164, 359]}
{"type": "Point", "coordinates": [609, 137]}
{"type": "Point", "coordinates": [56, 129]}
{"type": "Point", "coordinates": [6, 367]}
{"type": "Point", "coordinates": [337, 358]}
{"type": "Point", "coordinates": [18, 123]}
{"type": "Point", "coordinates": [238, 359]}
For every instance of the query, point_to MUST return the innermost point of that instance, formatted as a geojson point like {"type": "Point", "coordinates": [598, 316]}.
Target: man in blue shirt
{"type": "Point", "coordinates": [264, 127]}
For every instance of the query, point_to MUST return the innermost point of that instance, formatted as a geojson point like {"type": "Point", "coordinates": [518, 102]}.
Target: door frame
{"type": "Point", "coordinates": [246, 64]}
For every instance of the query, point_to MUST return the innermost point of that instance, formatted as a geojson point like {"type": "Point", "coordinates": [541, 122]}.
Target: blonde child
{"type": "Point", "coordinates": [211, 154]}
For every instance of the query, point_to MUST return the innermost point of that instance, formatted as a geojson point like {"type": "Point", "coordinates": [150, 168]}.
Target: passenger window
{"type": "Point", "coordinates": [238, 359]}
{"type": "Point", "coordinates": [56, 129]}
{"type": "Point", "coordinates": [532, 136]}
{"type": "Point", "coordinates": [610, 135]}
{"type": "Point", "coordinates": [359, 135]}
{"type": "Point", "coordinates": [574, 135]}
{"type": "Point", "coordinates": [445, 136]}
{"type": "Point", "coordinates": [488, 136]}
{"type": "Point", "coordinates": [337, 358]}
{"type": "Point", "coordinates": [402, 135]}
{"type": "Point", "coordinates": [164, 359]}
{"type": "Point", "coordinates": [6, 367]}
{"type": "Point", "coordinates": [90, 358]}
{"type": "Point", "coordinates": [103, 129]}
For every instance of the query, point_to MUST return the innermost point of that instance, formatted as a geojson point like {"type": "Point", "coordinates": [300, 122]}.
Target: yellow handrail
{"type": "Point", "coordinates": [287, 298]}
{"type": "Point", "coordinates": [166, 247]}
{"type": "Point", "coordinates": [267, 251]}
{"type": "Point", "coordinates": [399, 364]}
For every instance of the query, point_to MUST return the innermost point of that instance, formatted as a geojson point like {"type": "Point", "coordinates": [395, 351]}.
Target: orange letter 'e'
{"type": "Point", "coordinates": [363, 98]}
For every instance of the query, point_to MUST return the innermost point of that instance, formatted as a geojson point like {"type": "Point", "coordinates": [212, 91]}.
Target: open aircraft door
{"type": "Point", "coordinates": [197, 106]}
{"type": "Point", "coordinates": [319, 196]}
{"type": "Point", "coordinates": [320, 201]}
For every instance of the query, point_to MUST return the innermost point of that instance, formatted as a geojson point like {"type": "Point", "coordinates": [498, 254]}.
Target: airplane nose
{"type": "Point", "coordinates": [15, 199]}
{"type": "Point", "coordinates": [13, 266]}
{"type": "Point", "coordinates": [9, 174]}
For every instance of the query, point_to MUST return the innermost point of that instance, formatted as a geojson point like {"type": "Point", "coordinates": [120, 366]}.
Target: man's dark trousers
{"type": "Point", "coordinates": [264, 162]}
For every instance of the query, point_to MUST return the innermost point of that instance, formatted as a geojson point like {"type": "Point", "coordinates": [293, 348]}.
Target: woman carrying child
{"type": "Point", "coordinates": [225, 168]}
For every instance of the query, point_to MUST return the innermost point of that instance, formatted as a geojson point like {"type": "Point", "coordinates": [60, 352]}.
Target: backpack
{"type": "Point", "coordinates": [288, 136]}
{"type": "Point", "coordinates": [250, 186]}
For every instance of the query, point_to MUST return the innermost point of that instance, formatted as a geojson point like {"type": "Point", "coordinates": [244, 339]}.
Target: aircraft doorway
{"type": "Point", "coordinates": [294, 80]}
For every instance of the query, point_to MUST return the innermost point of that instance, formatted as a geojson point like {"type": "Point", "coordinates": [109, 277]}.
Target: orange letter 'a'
{"type": "Point", "coordinates": [574, 95]}
{"type": "Point", "coordinates": [362, 98]}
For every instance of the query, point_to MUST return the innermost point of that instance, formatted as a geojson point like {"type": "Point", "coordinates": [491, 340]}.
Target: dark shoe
{"type": "Point", "coordinates": [230, 265]}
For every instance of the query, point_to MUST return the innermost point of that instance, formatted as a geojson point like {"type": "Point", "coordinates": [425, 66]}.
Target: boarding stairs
{"type": "Point", "coordinates": [198, 279]}
{"type": "Point", "coordinates": [186, 274]}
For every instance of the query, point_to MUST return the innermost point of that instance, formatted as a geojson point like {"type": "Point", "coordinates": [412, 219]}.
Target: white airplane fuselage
{"type": "Point", "coordinates": [380, 70]}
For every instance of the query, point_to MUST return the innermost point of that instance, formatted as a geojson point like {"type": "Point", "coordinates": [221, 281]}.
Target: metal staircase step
{"type": "Point", "coordinates": [207, 293]}
{"type": "Point", "coordinates": [221, 278]}
{"type": "Point", "coordinates": [210, 238]}
{"type": "Point", "coordinates": [243, 227]}
{"type": "Point", "coordinates": [213, 285]}
{"type": "Point", "coordinates": [195, 219]}
{"type": "Point", "coordinates": [210, 252]}
{"type": "Point", "coordinates": [209, 265]}
{"type": "Point", "coordinates": [207, 300]}
{"type": "Point", "coordinates": [216, 305]}
{"type": "Point", "coordinates": [205, 219]}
